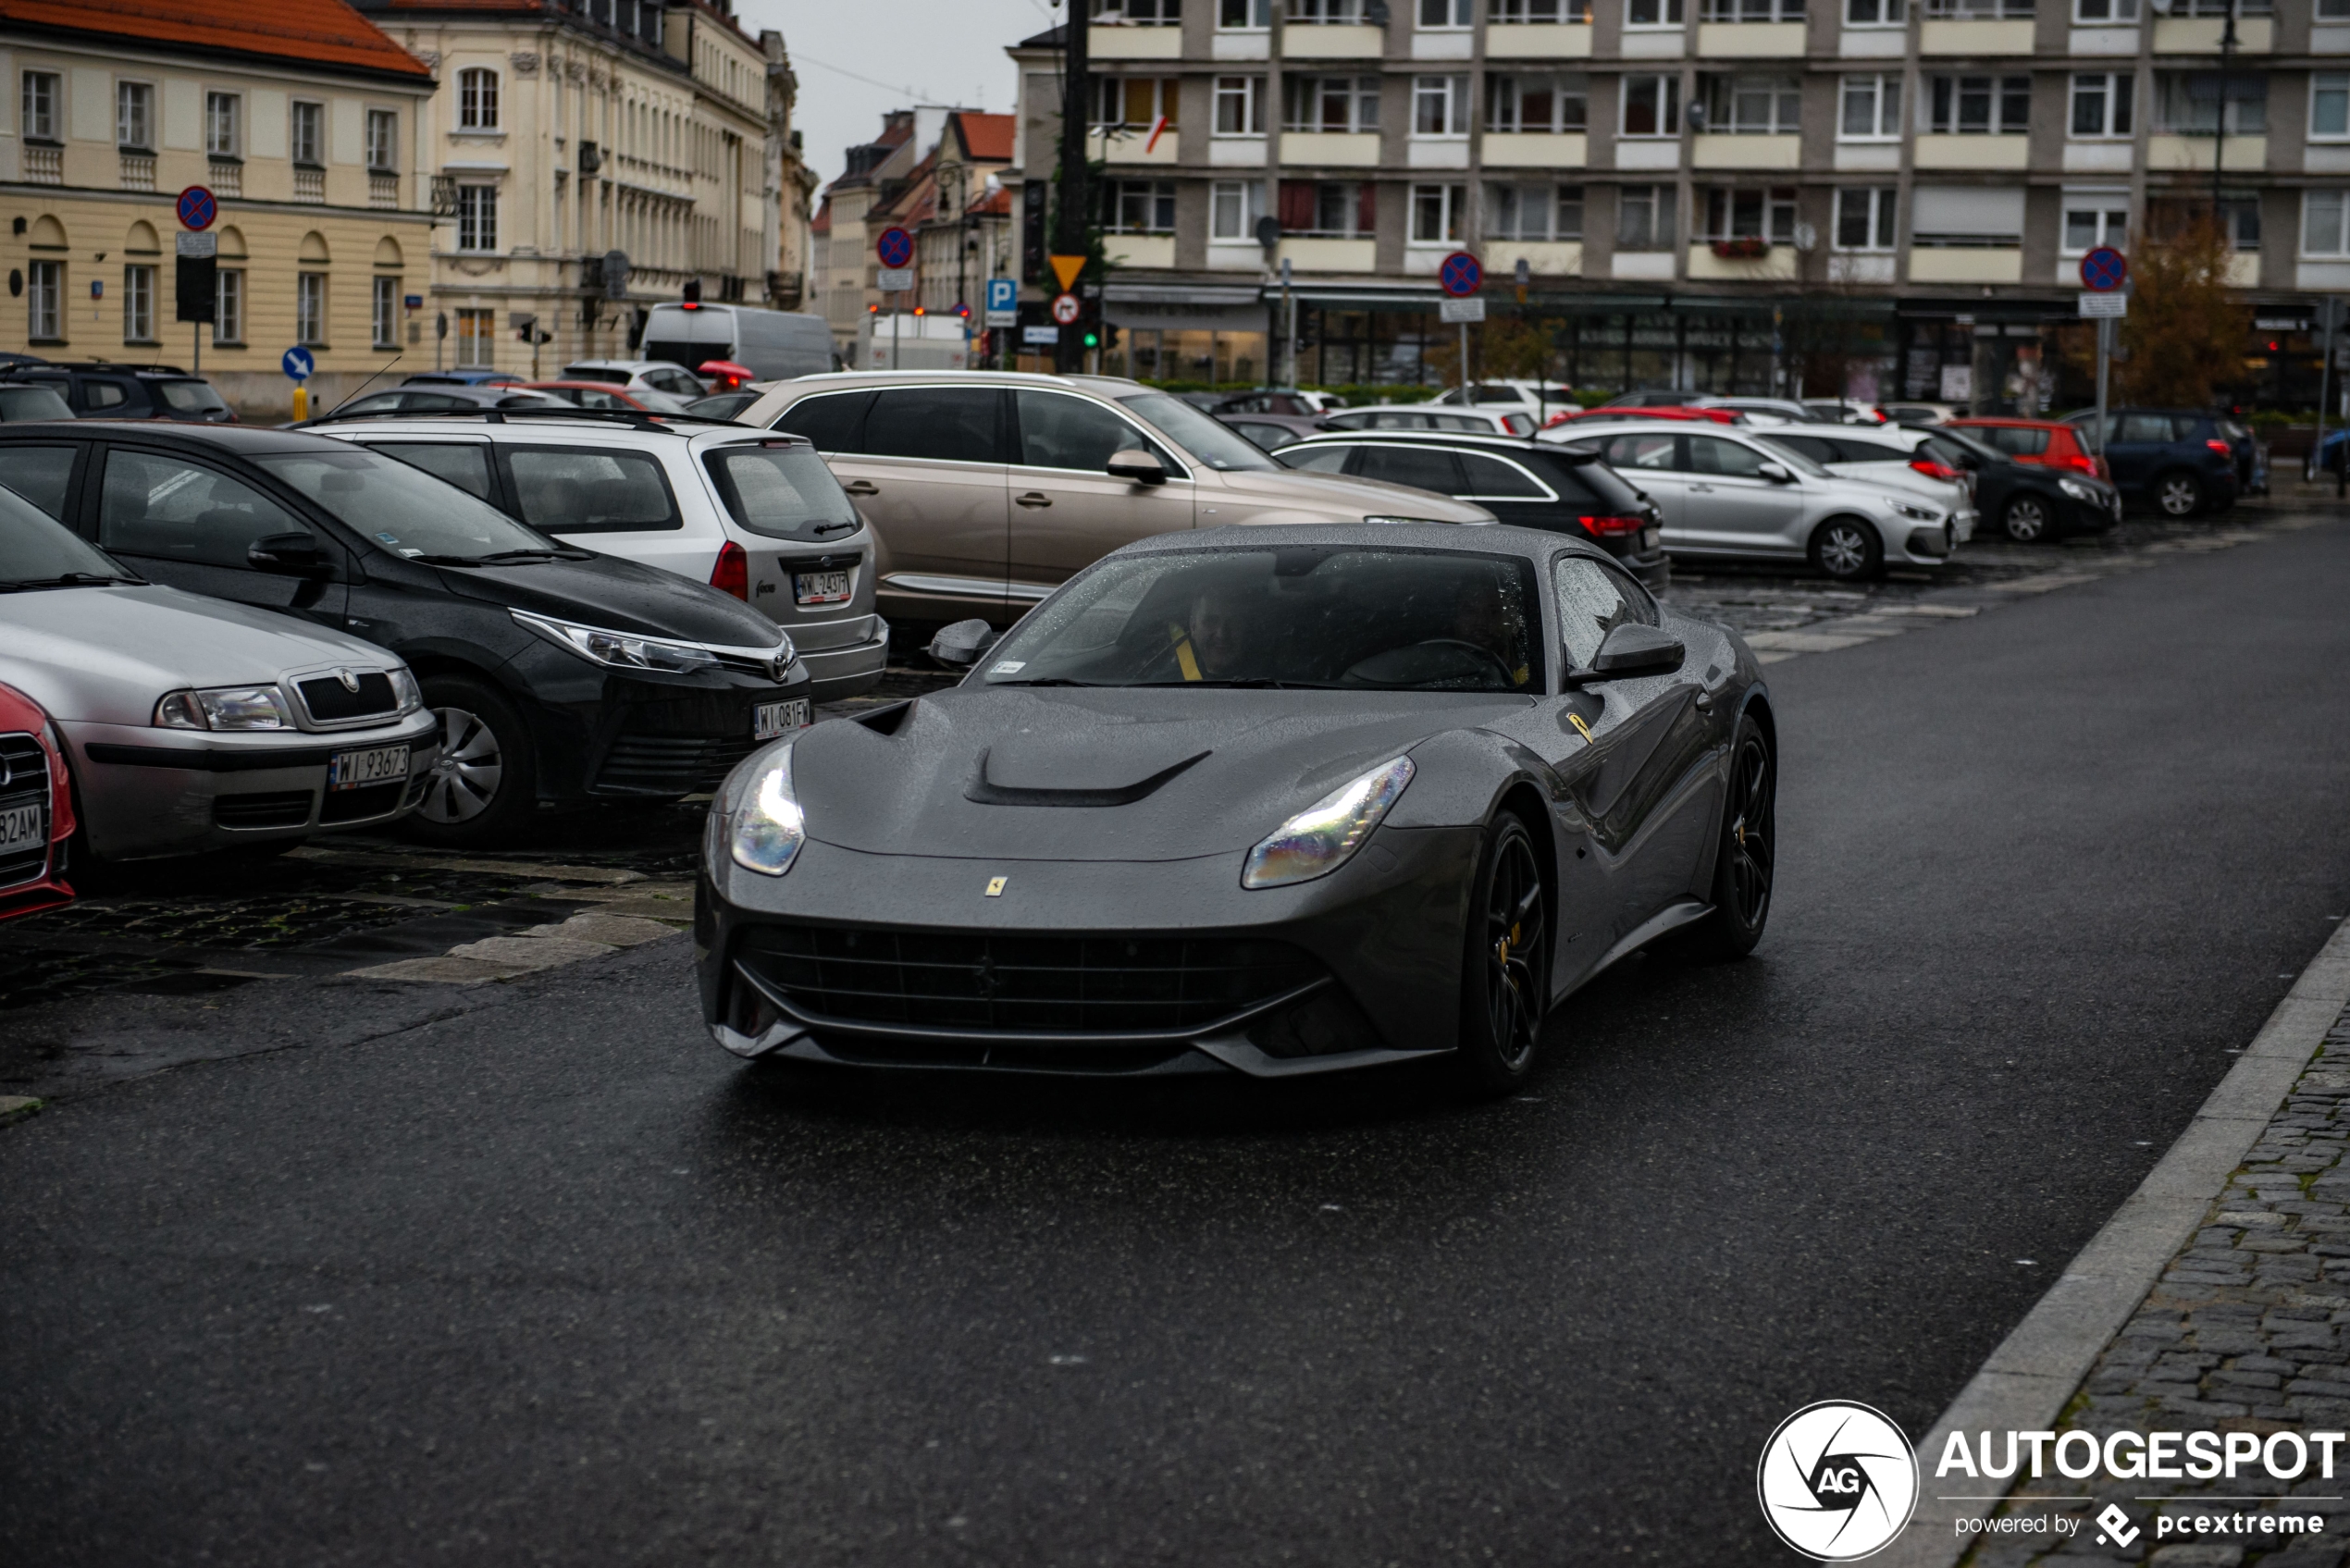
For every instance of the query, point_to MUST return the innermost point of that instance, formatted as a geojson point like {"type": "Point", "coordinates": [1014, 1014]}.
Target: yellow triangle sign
{"type": "Point", "coordinates": [1066, 268]}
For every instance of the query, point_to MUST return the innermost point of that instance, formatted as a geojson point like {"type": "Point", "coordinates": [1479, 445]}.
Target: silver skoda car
{"type": "Point", "coordinates": [193, 723]}
{"type": "Point", "coordinates": [1729, 493]}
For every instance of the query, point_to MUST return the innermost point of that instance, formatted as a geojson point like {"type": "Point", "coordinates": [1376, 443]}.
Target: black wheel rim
{"type": "Point", "coordinates": [1515, 939]}
{"type": "Point", "coordinates": [1749, 843]}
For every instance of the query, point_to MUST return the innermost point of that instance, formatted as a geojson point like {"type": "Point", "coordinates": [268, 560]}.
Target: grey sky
{"type": "Point", "coordinates": [932, 51]}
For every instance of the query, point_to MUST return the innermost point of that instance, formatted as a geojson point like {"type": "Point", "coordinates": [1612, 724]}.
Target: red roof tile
{"type": "Point", "coordinates": [322, 32]}
{"type": "Point", "coordinates": [988, 136]}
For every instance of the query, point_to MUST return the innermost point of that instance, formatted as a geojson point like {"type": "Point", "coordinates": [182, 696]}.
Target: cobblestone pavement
{"type": "Point", "coordinates": [2247, 1331]}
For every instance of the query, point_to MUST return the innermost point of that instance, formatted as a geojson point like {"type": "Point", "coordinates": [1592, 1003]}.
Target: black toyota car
{"type": "Point", "coordinates": [557, 674]}
{"type": "Point", "coordinates": [1528, 483]}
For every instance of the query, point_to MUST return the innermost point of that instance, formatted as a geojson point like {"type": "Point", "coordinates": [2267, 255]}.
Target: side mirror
{"type": "Point", "coordinates": [1777, 473]}
{"type": "Point", "coordinates": [1631, 649]}
{"type": "Point", "coordinates": [1139, 466]}
{"type": "Point", "coordinates": [288, 555]}
{"type": "Point", "coordinates": [961, 644]}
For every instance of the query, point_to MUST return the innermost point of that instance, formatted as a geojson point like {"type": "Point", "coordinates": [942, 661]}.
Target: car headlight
{"type": "Point", "coordinates": [625, 650]}
{"type": "Point", "coordinates": [2077, 490]}
{"type": "Point", "coordinates": [224, 707]}
{"type": "Point", "coordinates": [1319, 839]}
{"type": "Point", "coordinates": [403, 689]}
{"type": "Point", "coordinates": [763, 824]}
{"type": "Point", "coordinates": [1917, 514]}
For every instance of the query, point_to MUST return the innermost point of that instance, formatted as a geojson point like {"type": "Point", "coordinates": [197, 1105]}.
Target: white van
{"type": "Point", "coordinates": [774, 344]}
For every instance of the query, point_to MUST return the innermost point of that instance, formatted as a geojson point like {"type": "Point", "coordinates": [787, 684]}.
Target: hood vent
{"type": "Point", "coordinates": [986, 794]}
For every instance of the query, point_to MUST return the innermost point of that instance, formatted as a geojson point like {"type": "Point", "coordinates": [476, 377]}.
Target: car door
{"type": "Point", "coordinates": [2140, 443]}
{"type": "Point", "coordinates": [925, 466]}
{"type": "Point", "coordinates": [463, 461]}
{"type": "Point", "coordinates": [1510, 492]}
{"type": "Point", "coordinates": [107, 397]}
{"type": "Point", "coordinates": [1653, 462]}
{"type": "Point", "coordinates": [1731, 506]}
{"type": "Point", "coordinates": [1067, 510]}
{"type": "Point", "coordinates": [189, 525]}
{"type": "Point", "coordinates": [1419, 467]}
{"type": "Point", "coordinates": [43, 475]}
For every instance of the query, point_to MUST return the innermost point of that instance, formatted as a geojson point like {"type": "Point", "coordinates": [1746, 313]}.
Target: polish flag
{"type": "Point", "coordinates": [1157, 125]}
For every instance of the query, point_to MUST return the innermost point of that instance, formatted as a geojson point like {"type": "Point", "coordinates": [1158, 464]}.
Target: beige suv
{"type": "Point", "coordinates": [985, 490]}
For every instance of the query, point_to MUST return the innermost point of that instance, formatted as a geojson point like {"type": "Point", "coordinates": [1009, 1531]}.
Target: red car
{"type": "Point", "coordinates": [1611, 414]}
{"type": "Point", "coordinates": [2040, 442]}
{"type": "Point", "coordinates": [36, 810]}
{"type": "Point", "coordinates": [599, 395]}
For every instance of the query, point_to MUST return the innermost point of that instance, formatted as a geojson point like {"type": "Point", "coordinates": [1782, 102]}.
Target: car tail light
{"type": "Point", "coordinates": [2220, 446]}
{"type": "Point", "coordinates": [1561, 418]}
{"type": "Point", "coordinates": [732, 574]}
{"type": "Point", "coordinates": [2079, 462]}
{"type": "Point", "coordinates": [1607, 527]}
{"type": "Point", "coordinates": [1932, 469]}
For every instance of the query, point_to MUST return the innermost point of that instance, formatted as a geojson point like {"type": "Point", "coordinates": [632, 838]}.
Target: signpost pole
{"type": "Point", "coordinates": [2104, 358]}
{"type": "Point", "coordinates": [2324, 336]}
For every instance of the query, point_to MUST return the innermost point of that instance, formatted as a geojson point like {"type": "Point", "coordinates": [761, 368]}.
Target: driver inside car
{"type": "Point", "coordinates": [1481, 620]}
{"type": "Point", "coordinates": [1218, 641]}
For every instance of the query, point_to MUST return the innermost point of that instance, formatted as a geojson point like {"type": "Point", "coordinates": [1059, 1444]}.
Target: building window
{"type": "Point", "coordinates": [1135, 12]}
{"type": "Point", "coordinates": [1753, 106]}
{"type": "Point", "coordinates": [1652, 105]}
{"type": "Point", "coordinates": [2329, 106]}
{"type": "Point", "coordinates": [2094, 219]}
{"type": "Point", "coordinates": [2188, 102]}
{"type": "Point", "coordinates": [138, 303]}
{"type": "Point", "coordinates": [134, 116]}
{"type": "Point", "coordinates": [1864, 218]}
{"type": "Point", "coordinates": [2102, 103]}
{"type": "Point", "coordinates": [1239, 105]}
{"type": "Point", "coordinates": [1234, 207]}
{"type": "Point", "coordinates": [477, 99]}
{"type": "Point", "coordinates": [2333, 11]}
{"type": "Point", "coordinates": [1875, 13]}
{"type": "Point", "coordinates": [387, 311]}
{"type": "Point", "coordinates": [1440, 105]}
{"type": "Point", "coordinates": [1133, 102]}
{"type": "Point", "coordinates": [383, 141]}
{"type": "Point", "coordinates": [1644, 217]}
{"type": "Point", "coordinates": [1437, 211]}
{"type": "Point", "coordinates": [308, 143]}
{"type": "Point", "coordinates": [1964, 217]}
{"type": "Point", "coordinates": [1332, 209]}
{"type": "Point", "coordinates": [2091, 12]}
{"type": "Point", "coordinates": [221, 115]}
{"type": "Point", "coordinates": [1537, 103]}
{"type": "Point", "coordinates": [1981, 105]}
{"type": "Point", "coordinates": [1651, 13]}
{"type": "Point", "coordinates": [2239, 216]}
{"type": "Point", "coordinates": [477, 337]}
{"type": "Point", "coordinates": [1244, 16]}
{"type": "Point", "coordinates": [2322, 214]}
{"type": "Point", "coordinates": [310, 308]}
{"type": "Point", "coordinates": [41, 106]}
{"type": "Point", "coordinates": [1871, 109]}
{"type": "Point", "coordinates": [1144, 206]}
{"type": "Point", "coordinates": [1979, 11]}
{"type": "Point", "coordinates": [1534, 212]}
{"type": "Point", "coordinates": [1751, 11]}
{"type": "Point", "coordinates": [1436, 16]}
{"type": "Point", "coordinates": [476, 217]}
{"type": "Point", "coordinates": [1751, 214]}
{"type": "Point", "coordinates": [1507, 13]}
{"type": "Point", "coordinates": [1325, 13]}
{"type": "Point", "coordinates": [44, 294]}
{"type": "Point", "coordinates": [1329, 102]}
{"type": "Point", "coordinates": [228, 308]}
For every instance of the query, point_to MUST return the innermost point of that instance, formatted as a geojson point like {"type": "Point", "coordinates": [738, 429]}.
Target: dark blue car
{"type": "Point", "coordinates": [2178, 461]}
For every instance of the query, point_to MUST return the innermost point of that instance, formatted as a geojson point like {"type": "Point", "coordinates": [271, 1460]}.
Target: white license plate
{"type": "Point", "coordinates": [820, 588]}
{"type": "Point", "coordinates": [769, 720]}
{"type": "Point", "coordinates": [20, 825]}
{"type": "Point", "coordinates": [377, 764]}
{"type": "Point", "coordinates": [1648, 538]}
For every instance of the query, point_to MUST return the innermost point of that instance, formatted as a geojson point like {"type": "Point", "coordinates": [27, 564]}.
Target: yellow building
{"type": "Point", "coordinates": [300, 117]}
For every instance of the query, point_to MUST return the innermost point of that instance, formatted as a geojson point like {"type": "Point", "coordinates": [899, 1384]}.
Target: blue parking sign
{"type": "Point", "coordinates": [1003, 303]}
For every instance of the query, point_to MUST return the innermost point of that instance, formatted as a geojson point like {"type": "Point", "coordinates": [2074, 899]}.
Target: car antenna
{"type": "Point", "coordinates": [362, 386]}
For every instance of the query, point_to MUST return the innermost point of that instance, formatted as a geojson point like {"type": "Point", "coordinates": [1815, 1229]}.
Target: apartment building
{"type": "Point", "coordinates": [567, 130]}
{"type": "Point", "coordinates": [300, 116]}
{"type": "Point", "coordinates": [1691, 186]}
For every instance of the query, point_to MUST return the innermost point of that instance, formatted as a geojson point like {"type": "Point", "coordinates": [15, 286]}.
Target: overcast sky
{"type": "Point", "coordinates": [856, 58]}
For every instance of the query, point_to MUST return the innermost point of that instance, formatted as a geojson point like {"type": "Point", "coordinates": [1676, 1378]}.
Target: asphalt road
{"type": "Point", "coordinates": [541, 1275]}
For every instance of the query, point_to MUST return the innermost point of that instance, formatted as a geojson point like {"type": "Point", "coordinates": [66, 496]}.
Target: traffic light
{"type": "Point", "coordinates": [693, 291]}
{"type": "Point", "coordinates": [1093, 339]}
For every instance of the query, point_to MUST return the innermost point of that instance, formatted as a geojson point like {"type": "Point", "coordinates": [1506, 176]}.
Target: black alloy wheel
{"type": "Point", "coordinates": [1848, 549]}
{"type": "Point", "coordinates": [484, 784]}
{"type": "Point", "coordinates": [1505, 979]}
{"type": "Point", "coordinates": [1748, 855]}
{"type": "Point", "coordinates": [2179, 495]}
{"type": "Point", "coordinates": [2027, 520]}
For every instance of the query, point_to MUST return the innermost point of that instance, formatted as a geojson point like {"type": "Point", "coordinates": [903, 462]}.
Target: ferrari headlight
{"type": "Point", "coordinates": [403, 688]}
{"type": "Point", "coordinates": [765, 828]}
{"type": "Point", "coordinates": [1319, 839]}
{"type": "Point", "coordinates": [2077, 490]}
{"type": "Point", "coordinates": [619, 650]}
{"type": "Point", "coordinates": [224, 707]}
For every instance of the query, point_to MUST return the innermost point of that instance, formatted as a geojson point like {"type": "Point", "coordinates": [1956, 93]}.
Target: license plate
{"type": "Point", "coordinates": [377, 764]}
{"type": "Point", "coordinates": [769, 720]}
{"type": "Point", "coordinates": [20, 825]}
{"type": "Point", "coordinates": [820, 588]}
{"type": "Point", "coordinates": [1647, 540]}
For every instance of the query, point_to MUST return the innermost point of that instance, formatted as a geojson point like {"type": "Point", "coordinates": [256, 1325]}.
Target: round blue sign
{"type": "Point", "coordinates": [2103, 269]}
{"type": "Point", "coordinates": [197, 209]}
{"type": "Point", "coordinates": [298, 364]}
{"type": "Point", "coordinates": [895, 248]}
{"type": "Point", "coordinates": [1462, 275]}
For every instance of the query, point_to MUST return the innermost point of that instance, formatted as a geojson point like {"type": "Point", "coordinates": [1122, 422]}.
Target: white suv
{"type": "Point", "coordinates": [756, 514]}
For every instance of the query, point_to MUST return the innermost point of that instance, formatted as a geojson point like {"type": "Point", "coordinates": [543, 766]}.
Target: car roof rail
{"type": "Point", "coordinates": [660, 424]}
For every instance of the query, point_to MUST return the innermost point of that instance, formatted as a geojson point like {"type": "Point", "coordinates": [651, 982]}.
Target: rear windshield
{"type": "Point", "coordinates": [590, 373]}
{"type": "Point", "coordinates": [785, 492]}
{"type": "Point", "coordinates": [31, 403]}
{"type": "Point", "coordinates": [190, 397]}
{"type": "Point", "coordinates": [1603, 484]}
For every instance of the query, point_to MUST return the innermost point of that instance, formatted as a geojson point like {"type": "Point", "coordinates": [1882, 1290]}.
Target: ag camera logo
{"type": "Point", "coordinates": [1838, 1481]}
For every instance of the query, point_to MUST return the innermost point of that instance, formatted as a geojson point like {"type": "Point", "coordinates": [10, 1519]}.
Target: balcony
{"type": "Point", "coordinates": [1236, 151]}
{"type": "Point", "coordinates": [1777, 264]}
{"type": "Point", "coordinates": [1526, 149]}
{"type": "Point", "coordinates": [1544, 258]}
{"type": "Point", "coordinates": [309, 184]}
{"type": "Point", "coordinates": [2117, 41]}
{"type": "Point", "coordinates": [2200, 35]}
{"type": "Point", "coordinates": [1327, 41]}
{"type": "Point", "coordinates": [383, 190]}
{"type": "Point", "coordinates": [1873, 42]}
{"type": "Point", "coordinates": [1973, 152]}
{"type": "Point", "coordinates": [44, 166]}
{"type": "Point", "coordinates": [1538, 41]}
{"type": "Point", "coordinates": [1341, 148]}
{"type": "Point", "coordinates": [1975, 38]}
{"type": "Point", "coordinates": [1750, 40]}
{"type": "Point", "coordinates": [1309, 254]}
{"type": "Point", "coordinates": [1140, 249]}
{"type": "Point", "coordinates": [2099, 157]}
{"type": "Point", "coordinates": [1966, 264]}
{"type": "Point", "coordinates": [1861, 267]}
{"type": "Point", "coordinates": [2174, 154]}
{"type": "Point", "coordinates": [1132, 144]}
{"type": "Point", "coordinates": [1644, 266]}
{"type": "Point", "coordinates": [138, 171]}
{"type": "Point", "coordinates": [1724, 149]}
{"type": "Point", "coordinates": [1648, 152]}
{"type": "Point", "coordinates": [1431, 152]}
{"type": "Point", "coordinates": [1134, 43]}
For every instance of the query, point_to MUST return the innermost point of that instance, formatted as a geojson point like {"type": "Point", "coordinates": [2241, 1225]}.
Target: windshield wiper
{"type": "Point", "coordinates": [500, 557]}
{"type": "Point", "coordinates": [1050, 681]}
{"type": "Point", "coordinates": [66, 580]}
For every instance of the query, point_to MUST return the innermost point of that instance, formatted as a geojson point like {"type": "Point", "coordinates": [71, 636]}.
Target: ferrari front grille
{"type": "Point", "coordinates": [1026, 984]}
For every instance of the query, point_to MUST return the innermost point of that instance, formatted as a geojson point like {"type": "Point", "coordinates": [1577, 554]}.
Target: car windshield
{"type": "Point", "coordinates": [190, 397]}
{"type": "Point", "coordinates": [782, 490]}
{"type": "Point", "coordinates": [31, 403]}
{"type": "Point", "coordinates": [406, 509]}
{"type": "Point", "coordinates": [1328, 617]}
{"type": "Point", "coordinates": [1218, 446]}
{"type": "Point", "coordinates": [1944, 439]}
{"type": "Point", "coordinates": [36, 551]}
